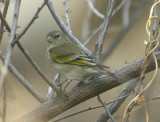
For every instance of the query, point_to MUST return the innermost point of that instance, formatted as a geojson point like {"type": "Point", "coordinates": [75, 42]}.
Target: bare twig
{"type": "Point", "coordinates": [99, 28]}
{"type": "Point", "coordinates": [87, 21]}
{"type": "Point", "coordinates": [4, 21]}
{"type": "Point", "coordinates": [4, 103]}
{"type": "Point", "coordinates": [119, 7]}
{"type": "Point", "coordinates": [95, 11]}
{"type": "Point", "coordinates": [153, 98]}
{"type": "Point", "coordinates": [4, 16]}
{"type": "Point", "coordinates": [51, 92]}
{"type": "Point", "coordinates": [156, 25]}
{"type": "Point", "coordinates": [67, 16]}
{"type": "Point", "coordinates": [24, 81]}
{"type": "Point", "coordinates": [115, 105]}
{"type": "Point", "coordinates": [102, 35]}
{"type": "Point", "coordinates": [126, 13]}
{"type": "Point", "coordinates": [10, 48]}
{"type": "Point", "coordinates": [106, 109]}
{"type": "Point", "coordinates": [30, 23]}
{"type": "Point", "coordinates": [84, 92]}
{"type": "Point", "coordinates": [119, 37]}
{"type": "Point", "coordinates": [65, 29]}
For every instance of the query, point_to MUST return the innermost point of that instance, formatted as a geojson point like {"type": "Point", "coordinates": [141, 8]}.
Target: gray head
{"type": "Point", "coordinates": [57, 37]}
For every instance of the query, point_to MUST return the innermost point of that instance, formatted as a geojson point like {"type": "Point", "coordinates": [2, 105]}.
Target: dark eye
{"type": "Point", "coordinates": [57, 36]}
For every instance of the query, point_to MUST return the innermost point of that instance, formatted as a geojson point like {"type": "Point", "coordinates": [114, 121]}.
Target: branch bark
{"type": "Point", "coordinates": [94, 87]}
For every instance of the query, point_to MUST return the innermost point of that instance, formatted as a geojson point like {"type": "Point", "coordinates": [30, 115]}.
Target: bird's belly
{"type": "Point", "coordinates": [74, 72]}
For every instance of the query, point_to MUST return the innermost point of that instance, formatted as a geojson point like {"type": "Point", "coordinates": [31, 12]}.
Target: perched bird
{"type": "Point", "coordinates": [69, 60]}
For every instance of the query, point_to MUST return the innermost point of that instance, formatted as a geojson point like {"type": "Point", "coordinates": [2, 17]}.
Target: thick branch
{"type": "Point", "coordinates": [96, 86]}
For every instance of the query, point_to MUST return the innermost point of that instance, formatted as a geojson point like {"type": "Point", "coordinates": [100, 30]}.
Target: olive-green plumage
{"type": "Point", "coordinates": [68, 59]}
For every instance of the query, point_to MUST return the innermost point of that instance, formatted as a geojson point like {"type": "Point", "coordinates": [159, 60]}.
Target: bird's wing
{"type": "Point", "coordinates": [74, 59]}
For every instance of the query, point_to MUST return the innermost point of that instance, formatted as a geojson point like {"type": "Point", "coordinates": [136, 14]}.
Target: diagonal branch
{"type": "Point", "coordinates": [84, 92]}
{"type": "Point", "coordinates": [24, 82]}
{"type": "Point", "coordinates": [4, 15]}
{"type": "Point", "coordinates": [10, 47]}
{"type": "Point", "coordinates": [102, 35]}
{"type": "Point", "coordinates": [30, 23]}
{"type": "Point", "coordinates": [67, 16]}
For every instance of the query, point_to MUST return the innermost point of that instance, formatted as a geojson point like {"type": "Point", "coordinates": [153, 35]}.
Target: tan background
{"type": "Point", "coordinates": [131, 48]}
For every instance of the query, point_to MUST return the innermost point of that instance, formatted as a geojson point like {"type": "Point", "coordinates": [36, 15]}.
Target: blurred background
{"type": "Point", "coordinates": [131, 48]}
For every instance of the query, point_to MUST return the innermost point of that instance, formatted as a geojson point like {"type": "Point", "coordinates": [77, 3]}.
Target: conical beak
{"type": "Point", "coordinates": [49, 39]}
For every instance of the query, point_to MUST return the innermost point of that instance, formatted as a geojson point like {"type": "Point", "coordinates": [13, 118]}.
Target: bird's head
{"type": "Point", "coordinates": [57, 37]}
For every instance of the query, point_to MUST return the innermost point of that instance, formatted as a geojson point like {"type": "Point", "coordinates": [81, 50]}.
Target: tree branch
{"type": "Point", "coordinates": [96, 86]}
{"type": "Point", "coordinates": [30, 23]}
{"type": "Point", "coordinates": [102, 35]}
{"type": "Point", "coordinates": [4, 15]}
{"type": "Point", "coordinates": [95, 11]}
{"type": "Point", "coordinates": [10, 47]}
{"type": "Point", "coordinates": [24, 82]}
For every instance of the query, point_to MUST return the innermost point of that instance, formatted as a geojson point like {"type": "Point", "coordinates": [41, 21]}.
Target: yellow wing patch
{"type": "Point", "coordinates": [78, 62]}
{"type": "Point", "coordinates": [61, 59]}
{"type": "Point", "coordinates": [69, 60]}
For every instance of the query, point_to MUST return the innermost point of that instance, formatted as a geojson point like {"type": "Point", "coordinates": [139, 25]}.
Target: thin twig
{"type": "Point", "coordinates": [4, 16]}
{"type": "Point", "coordinates": [126, 13]}
{"type": "Point", "coordinates": [67, 16]}
{"type": "Point", "coordinates": [93, 34]}
{"type": "Point", "coordinates": [90, 108]}
{"type": "Point", "coordinates": [24, 82]}
{"type": "Point", "coordinates": [99, 28]}
{"type": "Point", "coordinates": [4, 21]}
{"type": "Point", "coordinates": [102, 35]}
{"type": "Point", "coordinates": [30, 23]}
{"type": "Point", "coordinates": [65, 29]}
{"type": "Point", "coordinates": [155, 25]}
{"type": "Point", "coordinates": [106, 109]}
{"type": "Point", "coordinates": [87, 22]}
{"type": "Point", "coordinates": [95, 11]}
{"type": "Point", "coordinates": [119, 37]}
{"type": "Point", "coordinates": [118, 7]}
{"type": "Point", "coordinates": [10, 47]}
{"type": "Point", "coordinates": [4, 103]}
{"type": "Point", "coordinates": [115, 105]}
{"type": "Point", "coordinates": [51, 92]}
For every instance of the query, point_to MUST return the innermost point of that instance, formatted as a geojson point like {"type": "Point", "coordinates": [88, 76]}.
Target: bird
{"type": "Point", "coordinates": [69, 60]}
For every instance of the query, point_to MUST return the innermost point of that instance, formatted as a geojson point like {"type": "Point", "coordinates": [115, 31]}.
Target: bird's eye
{"type": "Point", "coordinates": [57, 36]}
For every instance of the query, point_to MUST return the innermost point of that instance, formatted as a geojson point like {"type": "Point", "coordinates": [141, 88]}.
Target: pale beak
{"type": "Point", "coordinates": [49, 39]}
